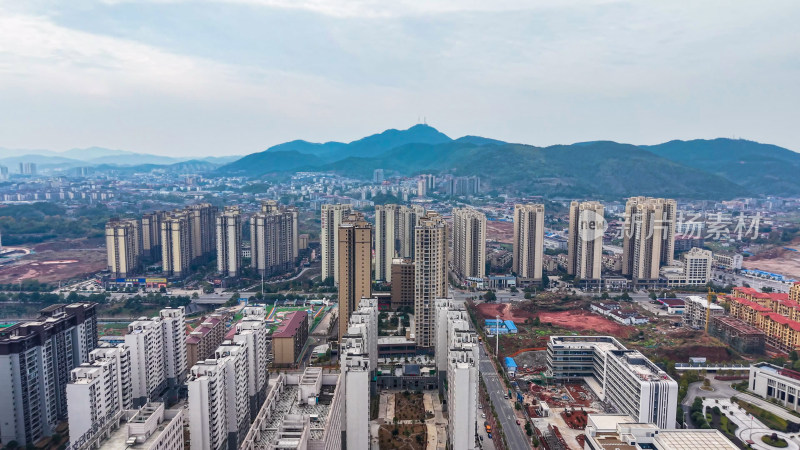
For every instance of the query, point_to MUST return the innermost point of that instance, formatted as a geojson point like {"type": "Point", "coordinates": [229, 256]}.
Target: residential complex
{"type": "Point", "coordinates": [624, 378]}
{"type": "Point", "coordinates": [355, 266]}
{"type": "Point", "coordinates": [331, 218]}
{"type": "Point", "coordinates": [469, 243]}
{"type": "Point", "coordinates": [430, 275]}
{"type": "Point", "coordinates": [697, 310]}
{"type": "Point", "coordinates": [274, 239]}
{"type": "Point", "coordinates": [229, 242]}
{"type": "Point", "coordinates": [36, 358]}
{"type": "Point", "coordinates": [124, 247]}
{"type": "Point", "coordinates": [648, 237]}
{"type": "Point", "coordinates": [776, 314]}
{"type": "Point", "coordinates": [204, 340]}
{"type": "Point", "coordinates": [585, 240]}
{"type": "Point", "coordinates": [528, 242]}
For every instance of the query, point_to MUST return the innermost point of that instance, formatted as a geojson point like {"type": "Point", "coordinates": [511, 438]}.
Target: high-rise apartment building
{"type": "Point", "coordinates": [402, 283]}
{"type": "Point", "coordinates": [204, 340]}
{"type": "Point", "coordinates": [27, 168]}
{"type": "Point", "coordinates": [274, 239]}
{"type": "Point", "coordinates": [98, 393]}
{"type": "Point", "coordinates": [407, 232]}
{"type": "Point", "coordinates": [158, 354]}
{"type": "Point", "coordinates": [229, 242]}
{"type": "Point", "coordinates": [585, 240]}
{"type": "Point", "coordinates": [648, 240]}
{"type": "Point", "coordinates": [331, 218]}
{"type": "Point", "coordinates": [151, 235]}
{"type": "Point", "coordinates": [176, 244]}
{"type": "Point", "coordinates": [430, 275]}
{"type": "Point", "coordinates": [387, 238]}
{"type": "Point", "coordinates": [469, 243]}
{"type": "Point", "coordinates": [528, 242]}
{"type": "Point", "coordinates": [253, 332]}
{"type": "Point", "coordinates": [219, 408]}
{"type": "Point", "coordinates": [202, 226]}
{"type": "Point", "coordinates": [355, 266]}
{"type": "Point", "coordinates": [124, 247]}
{"type": "Point", "coordinates": [36, 358]}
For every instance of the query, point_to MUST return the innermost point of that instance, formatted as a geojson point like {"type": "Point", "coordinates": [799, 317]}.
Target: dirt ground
{"type": "Point", "coordinates": [505, 311]}
{"type": "Point", "coordinates": [408, 437]}
{"type": "Point", "coordinates": [780, 260]}
{"type": "Point", "coordinates": [409, 407]}
{"type": "Point", "coordinates": [585, 321]}
{"type": "Point", "coordinates": [500, 231]}
{"type": "Point", "coordinates": [57, 261]}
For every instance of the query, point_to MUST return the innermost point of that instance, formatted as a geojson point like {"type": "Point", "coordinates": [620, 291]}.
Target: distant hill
{"type": "Point", "coordinates": [715, 169]}
{"type": "Point", "coordinates": [763, 168]}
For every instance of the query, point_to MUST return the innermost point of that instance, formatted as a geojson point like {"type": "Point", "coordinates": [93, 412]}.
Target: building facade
{"type": "Point", "coordinates": [528, 242]}
{"type": "Point", "coordinates": [585, 240]}
{"type": "Point", "coordinates": [648, 240]}
{"type": "Point", "coordinates": [430, 275]}
{"type": "Point", "coordinates": [331, 218]}
{"type": "Point", "coordinates": [469, 243]}
{"type": "Point", "coordinates": [229, 242]}
{"type": "Point", "coordinates": [274, 239]}
{"type": "Point", "coordinates": [290, 338]}
{"type": "Point", "coordinates": [124, 247]}
{"type": "Point", "coordinates": [355, 266]}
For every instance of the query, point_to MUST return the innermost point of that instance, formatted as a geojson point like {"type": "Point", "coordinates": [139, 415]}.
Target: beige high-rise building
{"type": "Point", "coordinates": [123, 246]}
{"type": "Point", "coordinates": [408, 225]}
{"type": "Point", "coordinates": [387, 238]}
{"type": "Point", "coordinates": [528, 242]}
{"type": "Point", "coordinates": [202, 226]}
{"type": "Point", "coordinates": [229, 242]}
{"type": "Point", "coordinates": [151, 235]}
{"type": "Point", "coordinates": [274, 239]}
{"type": "Point", "coordinates": [648, 237]}
{"type": "Point", "coordinates": [469, 243]}
{"type": "Point", "coordinates": [331, 218]}
{"type": "Point", "coordinates": [430, 275]}
{"type": "Point", "coordinates": [176, 244]}
{"type": "Point", "coordinates": [355, 266]}
{"type": "Point", "coordinates": [585, 240]}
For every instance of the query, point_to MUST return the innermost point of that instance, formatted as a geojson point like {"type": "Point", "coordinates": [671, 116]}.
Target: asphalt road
{"type": "Point", "coordinates": [505, 413]}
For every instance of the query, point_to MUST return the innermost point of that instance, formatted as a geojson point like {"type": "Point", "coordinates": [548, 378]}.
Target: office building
{"type": "Point", "coordinates": [331, 218]}
{"type": "Point", "coordinates": [623, 432]}
{"type": "Point", "coordinates": [648, 240]}
{"type": "Point", "coordinates": [253, 332]}
{"type": "Point", "coordinates": [387, 237]}
{"type": "Point", "coordinates": [624, 378]}
{"type": "Point", "coordinates": [469, 243]}
{"type": "Point", "coordinates": [585, 240]}
{"type": "Point", "coordinates": [98, 393]}
{"type": "Point", "coordinates": [358, 360]}
{"type": "Point", "coordinates": [204, 340]}
{"type": "Point", "coordinates": [528, 243]}
{"type": "Point", "coordinates": [303, 410]}
{"type": "Point", "coordinates": [775, 383]}
{"type": "Point", "coordinates": [151, 235]}
{"type": "Point", "coordinates": [274, 239]}
{"type": "Point", "coordinates": [355, 266]}
{"type": "Point", "coordinates": [202, 226]}
{"type": "Point", "coordinates": [176, 245]}
{"type": "Point", "coordinates": [457, 361]}
{"type": "Point", "coordinates": [124, 247]}
{"type": "Point", "coordinates": [36, 358]}
{"type": "Point", "coordinates": [289, 338]}
{"type": "Point", "coordinates": [229, 242]}
{"type": "Point", "coordinates": [402, 284]}
{"type": "Point", "coordinates": [218, 406]}
{"type": "Point", "coordinates": [430, 275]}
{"type": "Point", "coordinates": [696, 311]}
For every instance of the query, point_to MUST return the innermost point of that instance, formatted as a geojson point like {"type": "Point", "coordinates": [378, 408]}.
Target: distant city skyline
{"type": "Point", "coordinates": [233, 77]}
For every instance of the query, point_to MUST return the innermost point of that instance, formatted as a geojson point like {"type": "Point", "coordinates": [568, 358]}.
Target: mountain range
{"type": "Point", "coordinates": [708, 169]}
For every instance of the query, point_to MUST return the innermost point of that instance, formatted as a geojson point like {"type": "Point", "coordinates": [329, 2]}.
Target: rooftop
{"type": "Point", "coordinates": [290, 325]}
{"type": "Point", "coordinates": [692, 440]}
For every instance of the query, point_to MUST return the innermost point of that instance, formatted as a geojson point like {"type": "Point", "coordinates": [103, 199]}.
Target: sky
{"type": "Point", "coordinates": [224, 77]}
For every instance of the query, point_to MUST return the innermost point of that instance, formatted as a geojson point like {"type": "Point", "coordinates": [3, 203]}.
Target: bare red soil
{"type": "Point", "coordinates": [585, 321]}
{"type": "Point", "coordinates": [505, 311]}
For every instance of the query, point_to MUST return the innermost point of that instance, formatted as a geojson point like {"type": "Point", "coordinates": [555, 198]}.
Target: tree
{"type": "Point", "coordinates": [545, 281]}
{"type": "Point", "coordinates": [195, 295]}
{"type": "Point", "coordinates": [653, 296]}
{"type": "Point", "coordinates": [490, 296]}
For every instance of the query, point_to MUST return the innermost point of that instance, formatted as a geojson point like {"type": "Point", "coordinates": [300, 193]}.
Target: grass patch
{"type": "Point", "coordinates": [409, 406]}
{"type": "Point", "coordinates": [403, 437]}
{"type": "Point", "coordinates": [775, 441]}
{"type": "Point", "coordinates": [767, 418]}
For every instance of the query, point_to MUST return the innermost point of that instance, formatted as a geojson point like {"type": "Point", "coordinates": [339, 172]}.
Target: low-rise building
{"type": "Point", "coordinates": [623, 432]}
{"type": "Point", "coordinates": [697, 309]}
{"type": "Point", "coordinates": [741, 336]}
{"type": "Point", "coordinates": [290, 338]}
{"type": "Point", "coordinates": [204, 340]}
{"type": "Point", "coordinates": [773, 382]}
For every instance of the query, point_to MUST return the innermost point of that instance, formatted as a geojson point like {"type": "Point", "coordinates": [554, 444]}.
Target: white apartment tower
{"type": "Point", "coordinates": [469, 243]}
{"type": "Point", "coordinates": [331, 219]}
{"type": "Point", "coordinates": [274, 239]}
{"type": "Point", "coordinates": [387, 237]}
{"type": "Point", "coordinates": [528, 242]}
{"type": "Point", "coordinates": [98, 393]}
{"type": "Point", "coordinates": [430, 275]}
{"type": "Point", "coordinates": [124, 247]}
{"type": "Point", "coordinates": [176, 244]}
{"type": "Point", "coordinates": [145, 339]}
{"type": "Point", "coordinates": [229, 242]}
{"type": "Point", "coordinates": [585, 241]}
{"type": "Point", "coordinates": [648, 237]}
{"type": "Point", "coordinates": [173, 322]}
{"type": "Point", "coordinates": [252, 331]}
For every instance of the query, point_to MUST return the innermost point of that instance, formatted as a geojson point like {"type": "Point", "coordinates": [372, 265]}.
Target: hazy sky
{"type": "Point", "coordinates": [223, 77]}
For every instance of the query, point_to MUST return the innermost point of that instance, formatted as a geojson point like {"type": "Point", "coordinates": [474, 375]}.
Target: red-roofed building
{"type": "Point", "coordinates": [773, 313]}
{"type": "Point", "coordinates": [290, 338]}
{"type": "Point", "coordinates": [204, 340]}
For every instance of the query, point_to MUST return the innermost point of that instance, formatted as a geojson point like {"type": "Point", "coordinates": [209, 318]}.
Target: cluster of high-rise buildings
{"type": "Point", "coordinates": [183, 238]}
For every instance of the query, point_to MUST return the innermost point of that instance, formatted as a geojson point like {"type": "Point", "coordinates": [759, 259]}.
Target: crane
{"type": "Point", "coordinates": [710, 297]}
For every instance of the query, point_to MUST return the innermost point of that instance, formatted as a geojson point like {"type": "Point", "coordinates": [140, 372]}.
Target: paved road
{"type": "Point", "coordinates": [505, 413]}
